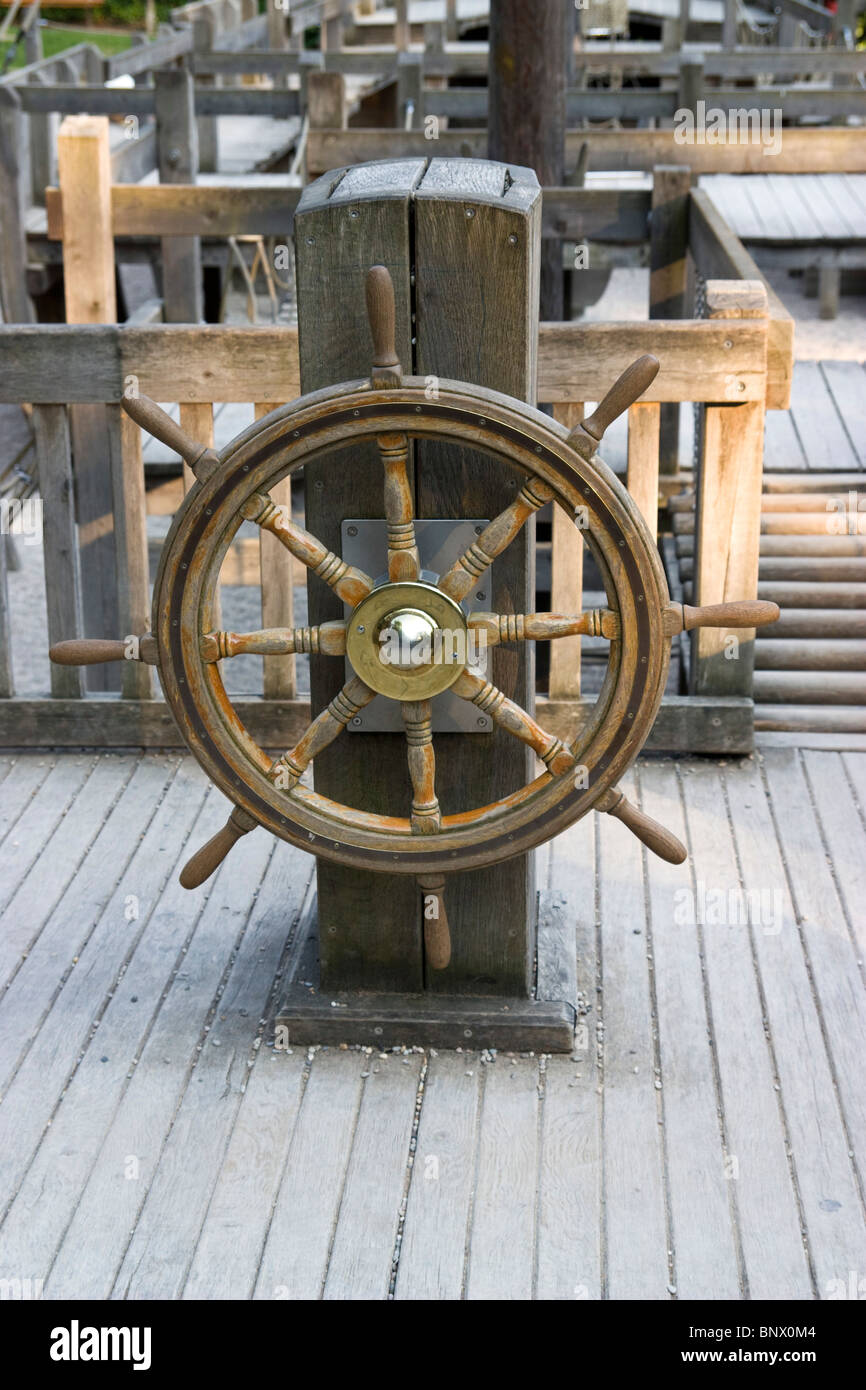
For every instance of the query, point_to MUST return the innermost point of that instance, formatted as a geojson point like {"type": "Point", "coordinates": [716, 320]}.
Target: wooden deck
{"type": "Point", "coordinates": [707, 1139]}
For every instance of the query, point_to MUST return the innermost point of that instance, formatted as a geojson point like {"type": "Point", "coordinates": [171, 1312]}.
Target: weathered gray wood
{"type": "Point", "coordinates": [14, 300]}
{"type": "Point", "coordinates": [21, 782]}
{"type": "Point", "coordinates": [38, 819]}
{"type": "Point", "coordinates": [462, 265]}
{"type": "Point", "coordinates": [569, 1241]}
{"type": "Point", "coordinates": [755, 1136]}
{"type": "Point", "coordinates": [60, 539]}
{"type": "Point", "coordinates": [295, 1258]}
{"type": "Point", "coordinates": [177, 144]}
{"type": "Point", "coordinates": [111, 1203]}
{"type": "Point", "coordinates": [669, 239]}
{"type": "Point", "coordinates": [502, 1239]}
{"type": "Point", "coordinates": [635, 1225]}
{"type": "Point", "coordinates": [364, 1244]}
{"type": "Point", "coordinates": [370, 926]}
{"type": "Point", "coordinates": [60, 855]}
{"type": "Point", "coordinates": [443, 1172]}
{"type": "Point", "coordinates": [526, 81]}
{"type": "Point", "coordinates": [130, 521]}
{"type": "Point", "coordinates": [704, 1237]}
{"type": "Point", "coordinates": [7, 681]}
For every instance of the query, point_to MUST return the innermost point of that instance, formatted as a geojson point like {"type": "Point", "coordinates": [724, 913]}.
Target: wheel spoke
{"type": "Point", "coordinates": [288, 769]}
{"type": "Point", "coordinates": [508, 715]}
{"type": "Point", "coordinates": [403, 562]}
{"type": "Point", "coordinates": [328, 639]}
{"type": "Point", "coordinates": [502, 530]}
{"type": "Point", "coordinates": [350, 583]}
{"type": "Point", "coordinates": [542, 627]}
{"type": "Point", "coordinates": [426, 817]}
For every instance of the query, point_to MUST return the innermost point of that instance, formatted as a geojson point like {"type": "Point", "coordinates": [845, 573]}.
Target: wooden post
{"type": "Point", "coordinates": [84, 170]}
{"type": "Point", "coordinates": [472, 230]}
{"type": "Point", "coordinates": [203, 35]}
{"type": "Point", "coordinates": [729, 26]}
{"type": "Point", "coordinates": [14, 299]}
{"type": "Point", "coordinates": [177, 155]}
{"type": "Point", "coordinates": [464, 264]}
{"type": "Point", "coordinates": [7, 682]}
{"type": "Point", "coordinates": [369, 924]}
{"type": "Point", "coordinates": [527, 107]}
{"type": "Point", "coordinates": [43, 145]}
{"type": "Point", "coordinates": [277, 571]}
{"type": "Point", "coordinates": [452, 31]}
{"type": "Point", "coordinates": [691, 83]}
{"type": "Point", "coordinates": [728, 515]}
{"type": "Point", "coordinates": [669, 239]}
{"type": "Point", "coordinates": [60, 542]}
{"type": "Point", "coordinates": [684, 20]}
{"type": "Point", "coordinates": [401, 27]}
{"type": "Point", "coordinates": [644, 419]}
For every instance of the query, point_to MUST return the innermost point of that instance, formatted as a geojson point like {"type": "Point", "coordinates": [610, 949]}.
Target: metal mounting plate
{"type": "Point", "coordinates": [365, 544]}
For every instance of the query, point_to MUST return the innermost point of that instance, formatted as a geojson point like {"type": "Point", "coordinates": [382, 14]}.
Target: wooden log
{"type": "Point", "coordinates": [810, 654]}
{"type": "Point", "coordinates": [810, 687]}
{"type": "Point", "coordinates": [177, 146]}
{"type": "Point", "coordinates": [88, 262]}
{"type": "Point", "coordinates": [804, 595]}
{"type": "Point", "coordinates": [809, 718]}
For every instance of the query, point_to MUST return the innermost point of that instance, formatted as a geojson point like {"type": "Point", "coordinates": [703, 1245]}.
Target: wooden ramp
{"type": "Point", "coordinates": [707, 1139]}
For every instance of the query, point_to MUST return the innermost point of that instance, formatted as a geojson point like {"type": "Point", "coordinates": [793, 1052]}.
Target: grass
{"type": "Point", "coordinates": [56, 40]}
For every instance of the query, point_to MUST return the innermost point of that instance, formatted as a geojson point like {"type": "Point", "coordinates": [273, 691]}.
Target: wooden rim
{"type": "Point", "coordinates": [535, 445]}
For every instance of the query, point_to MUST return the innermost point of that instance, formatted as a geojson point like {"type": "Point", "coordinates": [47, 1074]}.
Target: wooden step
{"type": "Point", "coordinates": [827, 570]}
{"type": "Point", "coordinates": [813, 482]}
{"type": "Point", "coordinates": [826, 719]}
{"type": "Point", "coordinates": [816, 622]}
{"type": "Point", "coordinates": [809, 687]}
{"type": "Point", "coordinates": [807, 595]}
{"type": "Point", "coordinates": [815, 523]}
{"type": "Point", "coordinates": [810, 654]}
{"type": "Point", "coordinates": [793, 545]}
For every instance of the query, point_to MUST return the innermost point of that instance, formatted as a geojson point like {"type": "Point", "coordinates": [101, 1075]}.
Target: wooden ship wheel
{"type": "Point", "coordinates": [410, 636]}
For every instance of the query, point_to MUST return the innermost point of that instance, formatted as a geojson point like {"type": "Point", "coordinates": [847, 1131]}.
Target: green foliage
{"type": "Point", "coordinates": [56, 40]}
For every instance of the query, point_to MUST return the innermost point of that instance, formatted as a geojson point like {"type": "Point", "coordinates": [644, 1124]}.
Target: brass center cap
{"type": "Point", "coordinates": [407, 641]}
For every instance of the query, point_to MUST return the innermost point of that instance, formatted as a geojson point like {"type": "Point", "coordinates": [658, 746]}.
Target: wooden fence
{"type": "Point", "coordinates": [736, 361]}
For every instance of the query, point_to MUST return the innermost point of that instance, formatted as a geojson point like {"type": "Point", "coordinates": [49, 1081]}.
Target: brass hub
{"type": "Point", "coordinates": [408, 641]}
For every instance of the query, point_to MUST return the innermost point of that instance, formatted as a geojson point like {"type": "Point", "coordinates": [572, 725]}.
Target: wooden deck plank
{"type": "Point", "coordinates": [782, 196]}
{"type": "Point", "coordinates": [843, 834]}
{"type": "Point", "coordinates": [22, 782]}
{"type": "Point", "coordinates": [33, 1228]}
{"type": "Point", "coordinates": [433, 1250]}
{"type": "Point", "coordinates": [820, 430]}
{"type": "Point", "coordinates": [846, 382]}
{"type": "Point", "coordinates": [295, 1259]}
{"type": "Point", "coordinates": [110, 1203]}
{"type": "Point", "coordinates": [782, 448]}
{"type": "Point", "coordinates": [634, 1183]}
{"type": "Point", "coordinates": [157, 1261]}
{"type": "Point", "coordinates": [364, 1241]}
{"type": "Point", "coordinates": [230, 1245]}
{"type": "Point", "coordinates": [839, 213]}
{"type": "Point", "coordinates": [39, 819]}
{"type": "Point", "coordinates": [70, 930]}
{"type": "Point", "coordinates": [755, 1142]}
{"type": "Point", "coordinates": [705, 1242]}
{"type": "Point", "coordinates": [91, 977]}
{"type": "Point", "coordinates": [831, 955]}
{"type": "Point", "coordinates": [502, 1238]}
{"type": "Point", "coordinates": [569, 1254]}
{"type": "Point", "coordinates": [60, 855]}
{"type": "Point", "coordinates": [730, 194]}
{"type": "Point", "coordinates": [826, 1184]}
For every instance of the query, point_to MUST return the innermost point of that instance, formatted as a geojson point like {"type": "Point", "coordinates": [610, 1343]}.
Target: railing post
{"type": "Point", "coordinates": [60, 542]}
{"type": "Point", "coordinates": [203, 32]}
{"type": "Point", "coordinates": [84, 169]}
{"type": "Point", "coordinates": [669, 240]}
{"type": "Point", "coordinates": [728, 512]}
{"type": "Point", "coordinates": [177, 156]}
{"type": "Point", "coordinates": [14, 298]}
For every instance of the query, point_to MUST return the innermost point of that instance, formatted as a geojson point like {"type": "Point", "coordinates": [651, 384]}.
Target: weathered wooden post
{"type": "Point", "coordinates": [461, 240]}
{"type": "Point", "coordinates": [177, 154]}
{"type": "Point", "coordinates": [527, 108]}
{"type": "Point", "coordinates": [728, 510]}
{"type": "Point", "coordinates": [669, 238]}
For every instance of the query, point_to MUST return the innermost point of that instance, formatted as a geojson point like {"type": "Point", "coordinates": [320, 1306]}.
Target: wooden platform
{"type": "Point", "coordinates": [706, 1140]}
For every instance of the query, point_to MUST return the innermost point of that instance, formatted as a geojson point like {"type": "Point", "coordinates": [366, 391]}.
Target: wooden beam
{"type": "Point", "coordinates": [192, 210]}
{"type": "Point", "coordinates": [669, 241]}
{"type": "Point", "coordinates": [260, 363]}
{"type": "Point", "coordinates": [60, 541]}
{"type": "Point", "coordinates": [177, 152]}
{"type": "Point", "coordinates": [14, 299]}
